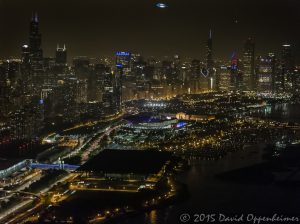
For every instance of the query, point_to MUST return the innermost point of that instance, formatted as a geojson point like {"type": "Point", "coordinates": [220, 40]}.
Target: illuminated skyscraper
{"type": "Point", "coordinates": [224, 78]}
{"type": "Point", "coordinates": [123, 59]}
{"type": "Point", "coordinates": [61, 55]}
{"type": "Point", "coordinates": [194, 78]}
{"type": "Point", "coordinates": [25, 54]}
{"type": "Point", "coordinates": [123, 67]}
{"type": "Point", "coordinates": [25, 67]}
{"type": "Point", "coordinates": [209, 61]}
{"type": "Point", "coordinates": [249, 78]}
{"type": "Point", "coordinates": [81, 67]}
{"type": "Point", "coordinates": [297, 80]}
{"type": "Point", "coordinates": [265, 70]}
{"type": "Point", "coordinates": [35, 38]}
{"type": "Point", "coordinates": [108, 96]}
{"type": "Point", "coordinates": [96, 82]}
{"type": "Point", "coordinates": [4, 92]}
{"type": "Point", "coordinates": [287, 68]}
{"type": "Point", "coordinates": [36, 52]}
{"type": "Point", "coordinates": [235, 79]}
{"type": "Point", "coordinates": [138, 86]}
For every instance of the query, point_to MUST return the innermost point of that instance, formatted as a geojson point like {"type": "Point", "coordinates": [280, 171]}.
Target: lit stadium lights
{"type": "Point", "coordinates": [155, 104]}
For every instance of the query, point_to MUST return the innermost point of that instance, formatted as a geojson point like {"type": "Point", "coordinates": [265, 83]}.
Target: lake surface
{"type": "Point", "coordinates": [281, 112]}
{"type": "Point", "coordinates": [210, 195]}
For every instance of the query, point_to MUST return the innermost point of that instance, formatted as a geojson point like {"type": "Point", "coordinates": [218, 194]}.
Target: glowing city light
{"type": "Point", "coordinates": [119, 65]}
{"type": "Point", "coordinates": [161, 5]}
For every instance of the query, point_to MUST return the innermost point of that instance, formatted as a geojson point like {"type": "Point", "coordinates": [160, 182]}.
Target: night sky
{"type": "Point", "coordinates": [100, 27]}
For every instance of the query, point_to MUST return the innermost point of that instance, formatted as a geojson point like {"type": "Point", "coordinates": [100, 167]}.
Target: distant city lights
{"type": "Point", "coordinates": [155, 104]}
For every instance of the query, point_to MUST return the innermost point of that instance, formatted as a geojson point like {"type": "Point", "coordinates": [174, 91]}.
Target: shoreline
{"type": "Point", "coordinates": [181, 195]}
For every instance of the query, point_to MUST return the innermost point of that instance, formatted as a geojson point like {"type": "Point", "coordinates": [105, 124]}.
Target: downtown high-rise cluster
{"type": "Point", "coordinates": [270, 74]}
{"type": "Point", "coordinates": [38, 92]}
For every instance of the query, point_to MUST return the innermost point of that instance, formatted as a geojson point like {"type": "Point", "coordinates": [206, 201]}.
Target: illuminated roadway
{"type": "Point", "coordinates": [18, 218]}
{"type": "Point", "coordinates": [54, 166]}
{"type": "Point", "coordinates": [101, 189]}
{"type": "Point", "coordinates": [20, 205]}
{"type": "Point", "coordinates": [85, 155]}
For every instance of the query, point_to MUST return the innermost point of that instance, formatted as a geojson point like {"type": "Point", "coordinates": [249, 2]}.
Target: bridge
{"type": "Point", "coordinates": [59, 166]}
{"type": "Point", "coordinates": [21, 192]}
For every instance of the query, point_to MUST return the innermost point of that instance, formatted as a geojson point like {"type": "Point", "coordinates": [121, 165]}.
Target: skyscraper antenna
{"type": "Point", "coordinates": [35, 17]}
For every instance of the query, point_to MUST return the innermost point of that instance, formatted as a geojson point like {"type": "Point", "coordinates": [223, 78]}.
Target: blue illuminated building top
{"type": "Point", "coordinates": [119, 65]}
{"type": "Point", "coordinates": [121, 53]}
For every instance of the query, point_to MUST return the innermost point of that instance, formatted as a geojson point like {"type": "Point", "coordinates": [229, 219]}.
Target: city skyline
{"type": "Point", "coordinates": [152, 31]}
{"type": "Point", "coordinates": [98, 126]}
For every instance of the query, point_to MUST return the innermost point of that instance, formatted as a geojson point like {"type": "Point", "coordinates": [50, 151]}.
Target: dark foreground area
{"type": "Point", "coordinates": [233, 195]}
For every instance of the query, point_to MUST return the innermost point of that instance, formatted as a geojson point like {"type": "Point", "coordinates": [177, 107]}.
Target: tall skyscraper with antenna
{"type": "Point", "coordinates": [35, 49]}
{"type": "Point", "coordinates": [35, 39]}
{"type": "Point", "coordinates": [209, 61]}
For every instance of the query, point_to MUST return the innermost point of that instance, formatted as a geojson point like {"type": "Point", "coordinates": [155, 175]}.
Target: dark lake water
{"type": "Point", "coordinates": [280, 112]}
{"type": "Point", "coordinates": [211, 195]}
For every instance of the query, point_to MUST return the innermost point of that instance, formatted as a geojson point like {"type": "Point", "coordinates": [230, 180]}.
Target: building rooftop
{"type": "Point", "coordinates": [127, 161]}
{"type": "Point", "coordinates": [146, 118]}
